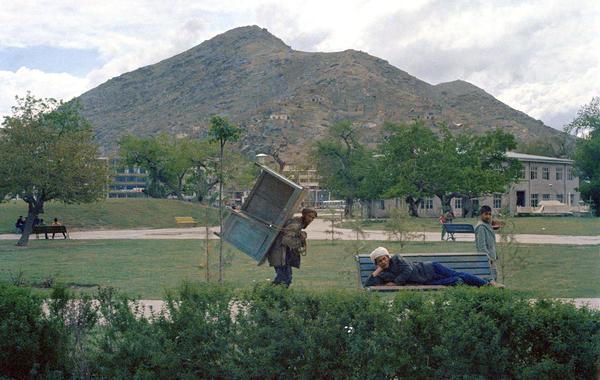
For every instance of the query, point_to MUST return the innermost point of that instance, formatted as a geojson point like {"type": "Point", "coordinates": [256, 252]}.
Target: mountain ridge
{"type": "Point", "coordinates": [286, 98]}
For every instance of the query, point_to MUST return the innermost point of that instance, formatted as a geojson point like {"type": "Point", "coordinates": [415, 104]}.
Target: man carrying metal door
{"type": "Point", "coordinates": [289, 246]}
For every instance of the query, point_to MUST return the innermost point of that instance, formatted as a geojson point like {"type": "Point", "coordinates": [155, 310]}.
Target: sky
{"type": "Point", "coordinates": [540, 57]}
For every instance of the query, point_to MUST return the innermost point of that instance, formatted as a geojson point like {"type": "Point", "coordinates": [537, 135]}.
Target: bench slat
{"type": "Point", "coordinates": [440, 259]}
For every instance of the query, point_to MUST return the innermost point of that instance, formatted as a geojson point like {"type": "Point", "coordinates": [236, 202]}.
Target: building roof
{"type": "Point", "coordinates": [533, 158]}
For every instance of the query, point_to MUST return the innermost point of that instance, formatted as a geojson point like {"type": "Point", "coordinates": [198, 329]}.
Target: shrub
{"type": "Point", "coordinates": [272, 332]}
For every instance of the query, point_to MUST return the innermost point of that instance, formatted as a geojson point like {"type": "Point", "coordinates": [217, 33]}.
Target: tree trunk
{"type": "Point", "coordinates": [412, 206]}
{"type": "Point", "coordinates": [34, 209]}
{"type": "Point", "coordinates": [348, 207]}
{"type": "Point", "coordinates": [221, 215]}
{"type": "Point", "coordinates": [446, 206]}
{"type": "Point", "coordinates": [596, 203]}
{"type": "Point", "coordinates": [467, 210]}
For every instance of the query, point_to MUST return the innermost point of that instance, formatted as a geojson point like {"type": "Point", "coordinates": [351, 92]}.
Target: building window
{"type": "Point", "coordinates": [533, 172]}
{"type": "Point", "coordinates": [570, 174]}
{"type": "Point", "coordinates": [458, 203]}
{"type": "Point", "coordinates": [475, 205]}
{"type": "Point", "coordinates": [571, 199]}
{"type": "Point", "coordinates": [545, 197]}
{"type": "Point", "coordinates": [427, 203]}
{"type": "Point", "coordinates": [559, 173]}
{"type": "Point", "coordinates": [545, 173]}
{"type": "Point", "coordinates": [534, 200]}
{"type": "Point", "coordinates": [560, 198]}
{"type": "Point", "coordinates": [522, 173]}
{"type": "Point", "coordinates": [382, 204]}
{"type": "Point", "coordinates": [497, 201]}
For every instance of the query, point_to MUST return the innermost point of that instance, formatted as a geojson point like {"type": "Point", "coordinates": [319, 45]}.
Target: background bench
{"type": "Point", "coordinates": [457, 228]}
{"type": "Point", "coordinates": [473, 263]}
{"type": "Point", "coordinates": [185, 221]}
{"type": "Point", "coordinates": [51, 230]}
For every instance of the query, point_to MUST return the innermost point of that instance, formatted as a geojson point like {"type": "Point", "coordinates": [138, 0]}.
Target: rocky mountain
{"type": "Point", "coordinates": [285, 98]}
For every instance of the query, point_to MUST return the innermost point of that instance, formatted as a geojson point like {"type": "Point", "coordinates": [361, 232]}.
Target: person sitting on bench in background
{"type": "Point", "coordinates": [56, 223]}
{"type": "Point", "coordinates": [393, 271]}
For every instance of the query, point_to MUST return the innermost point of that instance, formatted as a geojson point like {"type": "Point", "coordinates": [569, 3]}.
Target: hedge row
{"type": "Point", "coordinates": [270, 332]}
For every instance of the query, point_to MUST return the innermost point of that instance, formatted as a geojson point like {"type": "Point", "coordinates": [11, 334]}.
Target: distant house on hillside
{"type": "Point", "coordinates": [542, 179]}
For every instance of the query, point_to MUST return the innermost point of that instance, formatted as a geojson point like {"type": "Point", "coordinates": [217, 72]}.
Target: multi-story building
{"type": "Point", "coordinates": [126, 182]}
{"type": "Point", "coordinates": [309, 179]}
{"type": "Point", "coordinates": [541, 179]}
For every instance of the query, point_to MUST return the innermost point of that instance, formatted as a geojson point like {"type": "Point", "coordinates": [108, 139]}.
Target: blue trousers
{"type": "Point", "coordinates": [447, 276]}
{"type": "Point", "coordinates": [283, 275]}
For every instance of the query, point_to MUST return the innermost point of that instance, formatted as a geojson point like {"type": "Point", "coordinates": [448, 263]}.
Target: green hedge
{"type": "Point", "coordinates": [270, 332]}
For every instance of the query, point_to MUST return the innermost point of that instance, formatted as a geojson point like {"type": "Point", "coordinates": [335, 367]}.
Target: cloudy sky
{"type": "Point", "coordinates": [541, 57]}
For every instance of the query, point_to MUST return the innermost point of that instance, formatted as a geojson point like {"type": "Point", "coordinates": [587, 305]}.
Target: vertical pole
{"type": "Point", "coordinates": [221, 216]}
{"type": "Point", "coordinates": [207, 242]}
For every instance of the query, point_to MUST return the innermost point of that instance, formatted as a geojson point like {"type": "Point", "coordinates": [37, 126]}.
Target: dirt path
{"type": "Point", "coordinates": [316, 231]}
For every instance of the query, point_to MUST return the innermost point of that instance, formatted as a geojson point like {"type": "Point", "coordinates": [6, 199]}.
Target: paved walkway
{"type": "Point", "coordinates": [316, 231]}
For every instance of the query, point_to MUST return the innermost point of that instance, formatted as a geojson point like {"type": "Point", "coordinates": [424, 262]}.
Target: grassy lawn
{"type": "Point", "coordinates": [110, 214]}
{"type": "Point", "coordinates": [145, 268]}
{"type": "Point", "coordinates": [542, 225]}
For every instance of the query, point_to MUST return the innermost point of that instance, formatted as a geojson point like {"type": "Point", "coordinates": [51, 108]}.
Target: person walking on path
{"type": "Point", "coordinates": [485, 238]}
{"type": "Point", "coordinates": [289, 246]}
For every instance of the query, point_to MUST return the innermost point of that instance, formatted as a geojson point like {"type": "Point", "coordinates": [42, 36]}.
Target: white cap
{"type": "Point", "coordinates": [378, 252]}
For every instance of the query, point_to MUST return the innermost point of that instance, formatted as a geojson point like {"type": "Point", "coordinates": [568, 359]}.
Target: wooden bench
{"type": "Point", "coordinates": [185, 221]}
{"type": "Point", "coordinates": [51, 230]}
{"type": "Point", "coordinates": [473, 263]}
{"type": "Point", "coordinates": [457, 228]}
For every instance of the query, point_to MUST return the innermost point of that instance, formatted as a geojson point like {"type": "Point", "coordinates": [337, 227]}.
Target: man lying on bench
{"type": "Point", "coordinates": [394, 271]}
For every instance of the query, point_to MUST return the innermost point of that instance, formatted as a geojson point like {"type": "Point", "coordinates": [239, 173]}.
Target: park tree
{"type": "Point", "coordinates": [221, 131]}
{"type": "Point", "coordinates": [408, 153]}
{"type": "Point", "coordinates": [167, 159]}
{"type": "Point", "coordinates": [343, 162]}
{"type": "Point", "coordinates": [586, 125]}
{"type": "Point", "coordinates": [420, 163]}
{"type": "Point", "coordinates": [47, 153]}
{"type": "Point", "coordinates": [485, 167]}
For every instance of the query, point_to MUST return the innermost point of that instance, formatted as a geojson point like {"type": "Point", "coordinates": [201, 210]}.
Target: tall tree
{"type": "Point", "coordinates": [587, 153]}
{"type": "Point", "coordinates": [420, 163]}
{"type": "Point", "coordinates": [343, 162]}
{"type": "Point", "coordinates": [222, 131]}
{"type": "Point", "coordinates": [167, 159]}
{"type": "Point", "coordinates": [409, 154]}
{"type": "Point", "coordinates": [47, 153]}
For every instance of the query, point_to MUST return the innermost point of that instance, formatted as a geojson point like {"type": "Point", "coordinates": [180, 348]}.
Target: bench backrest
{"type": "Point", "coordinates": [473, 263]}
{"type": "Point", "coordinates": [458, 228]}
{"type": "Point", "coordinates": [49, 229]}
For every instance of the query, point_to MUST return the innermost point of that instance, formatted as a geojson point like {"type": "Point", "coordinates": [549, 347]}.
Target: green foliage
{"type": "Point", "coordinates": [344, 163]}
{"type": "Point", "coordinates": [417, 163]}
{"type": "Point", "coordinates": [167, 159]}
{"type": "Point", "coordinates": [47, 153]}
{"type": "Point", "coordinates": [587, 152]}
{"type": "Point", "coordinates": [272, 332]}
{"type": "Point", "coordinates": [222, 131]}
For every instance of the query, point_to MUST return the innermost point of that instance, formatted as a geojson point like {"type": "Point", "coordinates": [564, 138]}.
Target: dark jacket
{"type": "Point", "coordinates": [402, 272]}
{"type": "Point", "coordinates": [287, 245]}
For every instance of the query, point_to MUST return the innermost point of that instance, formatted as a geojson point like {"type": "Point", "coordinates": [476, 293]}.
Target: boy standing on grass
{"type": "Point", "coordinates": [485, 238]}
